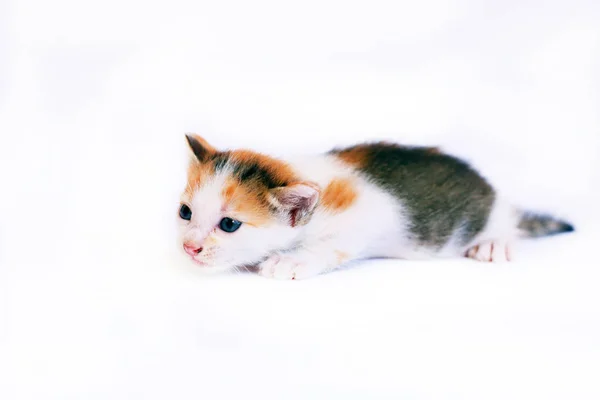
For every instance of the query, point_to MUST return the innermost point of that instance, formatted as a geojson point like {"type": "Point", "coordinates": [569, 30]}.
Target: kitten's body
{"type": "Point", "coordinates": [310, 215]}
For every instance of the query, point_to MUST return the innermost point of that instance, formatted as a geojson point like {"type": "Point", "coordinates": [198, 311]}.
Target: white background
{"type": "Point", "coordinates": [97, 303]}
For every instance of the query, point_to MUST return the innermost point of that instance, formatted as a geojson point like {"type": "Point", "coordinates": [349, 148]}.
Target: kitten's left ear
{"type": "Point", "coordinates": [296, 201]}
{"type": "Point", "coordinates": [202, 150]}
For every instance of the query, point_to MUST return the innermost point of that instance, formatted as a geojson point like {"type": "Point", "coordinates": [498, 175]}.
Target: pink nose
{"type": "Point", "coordinates": [192, 250]}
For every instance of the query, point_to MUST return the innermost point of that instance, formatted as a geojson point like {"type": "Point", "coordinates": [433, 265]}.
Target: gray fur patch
{"type": "Point", "coordinates": [441, 193]}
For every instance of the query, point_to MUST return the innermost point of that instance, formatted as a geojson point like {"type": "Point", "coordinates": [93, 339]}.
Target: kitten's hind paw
{"type": "Point", "coordinates": [492, 251]}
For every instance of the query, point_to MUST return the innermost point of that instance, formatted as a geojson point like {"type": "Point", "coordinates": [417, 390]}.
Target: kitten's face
{"type": "Point", "coordinates": [239, 206]}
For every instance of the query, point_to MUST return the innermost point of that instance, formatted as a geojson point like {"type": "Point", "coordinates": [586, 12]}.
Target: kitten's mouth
{"type": "Point", "coordinates": [201, 263]}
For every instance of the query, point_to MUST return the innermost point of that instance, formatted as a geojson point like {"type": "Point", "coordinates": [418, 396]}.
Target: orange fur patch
{"type": "Point", "coordinates": [339, 194]}
{"type": "Point", "coordinates": [341, 257]}
{"type": "Point", "coordinates": [197, 171]}
{"type": "Point", "coordinates": [229, 190]}
{"type": "Point", "coordinates": [355, 156]}
{"type": "Point", "coordinates": [246, 203]}
{"type": "Point", "coordinates": [249, 199]}
{"type": "Point", "coordinates": [280, 170]}
{"type": "Point", "coordinates": [196, 174]}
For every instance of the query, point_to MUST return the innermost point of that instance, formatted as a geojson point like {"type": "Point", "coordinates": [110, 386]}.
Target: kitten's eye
{"type": "Point", "coordinates": [229, 225]}
{"type": "Point", "coordinates": [185, 212]}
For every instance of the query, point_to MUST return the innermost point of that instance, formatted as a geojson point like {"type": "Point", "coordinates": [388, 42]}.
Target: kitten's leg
{"type": "Point", "coordinates": [490, 251]}
{"type": "Point", "coordinates": [493, 244]}
{"type": "Point", "coordinates": [301, 264]}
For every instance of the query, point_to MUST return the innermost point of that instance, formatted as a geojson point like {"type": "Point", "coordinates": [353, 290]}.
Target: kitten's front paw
{"type": "Point", "coordinates": [286, 267]}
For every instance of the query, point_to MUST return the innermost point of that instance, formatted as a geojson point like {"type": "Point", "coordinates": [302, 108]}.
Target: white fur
{"type": "Point", "coordinates": [502, 222]}
{"type": "Point", "coordinates": [494, 241]}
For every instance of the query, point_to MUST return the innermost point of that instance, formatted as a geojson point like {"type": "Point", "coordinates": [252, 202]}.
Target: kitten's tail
{"type": "Point", "coordinates": [533, 225]}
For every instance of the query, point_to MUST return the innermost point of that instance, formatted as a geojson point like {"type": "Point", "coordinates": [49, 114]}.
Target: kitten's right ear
{"type": "Point", "coordinates": [200, 147]}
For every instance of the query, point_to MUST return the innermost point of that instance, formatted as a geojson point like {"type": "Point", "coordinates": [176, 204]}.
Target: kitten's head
{"type": "Point", "coordinates": [239, 206]}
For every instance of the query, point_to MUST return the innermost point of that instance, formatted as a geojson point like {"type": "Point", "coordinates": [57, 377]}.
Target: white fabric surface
{"type": "Point", "coordinates": [95, 301]}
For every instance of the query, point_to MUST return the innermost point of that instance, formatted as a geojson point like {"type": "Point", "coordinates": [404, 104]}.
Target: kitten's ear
{"type": "Point", "coordinates": [296, 201]}
{"type": "Point", "coordinates": [200, 147]}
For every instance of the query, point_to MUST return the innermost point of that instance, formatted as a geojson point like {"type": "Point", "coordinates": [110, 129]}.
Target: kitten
{"type": "Point", "coordinates": [295, 220]}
